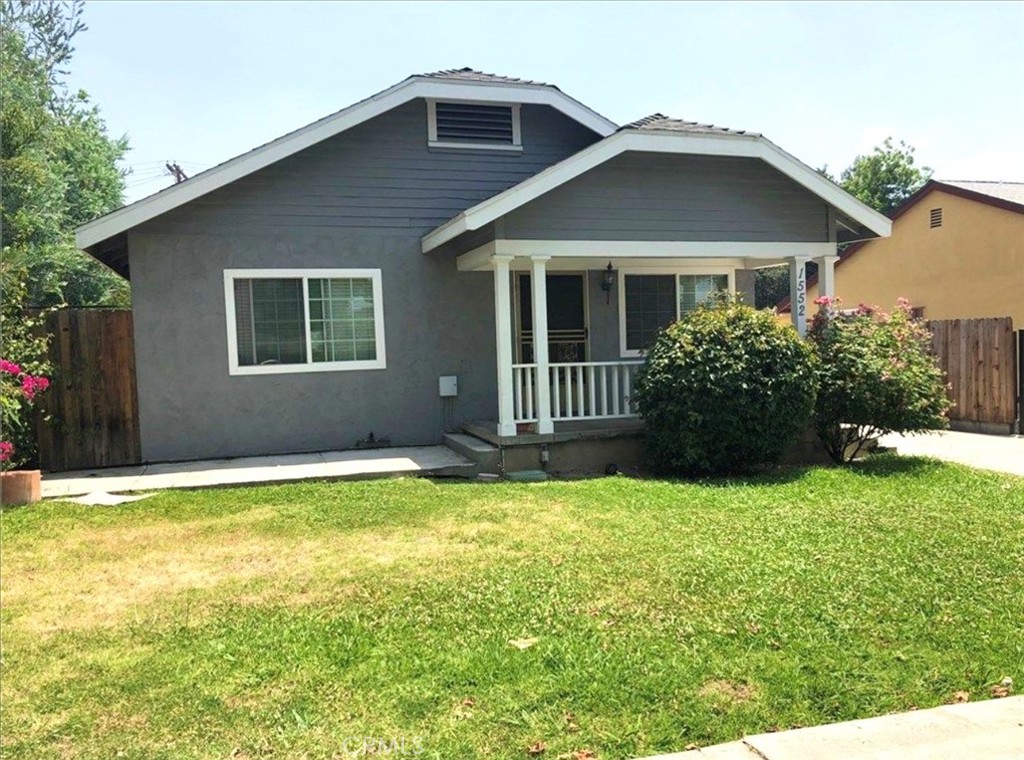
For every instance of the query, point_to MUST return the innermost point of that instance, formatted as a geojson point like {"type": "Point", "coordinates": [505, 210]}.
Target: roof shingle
{"type": "Point", "coordinates": [660, 123]}
{"type": "Point", "coordinates": [1008, 191]}
{"type": "Point", "coordinates": [472, 75]}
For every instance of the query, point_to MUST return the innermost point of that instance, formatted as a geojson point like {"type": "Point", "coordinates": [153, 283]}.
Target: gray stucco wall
{"type": "Point", "coordinates": [645, 196]}
{"type": "Point", "coordinates": [361, 199]}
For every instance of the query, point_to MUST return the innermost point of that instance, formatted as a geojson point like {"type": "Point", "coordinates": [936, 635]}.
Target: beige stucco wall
{"type": "Point", "coordinates": [971, 266]}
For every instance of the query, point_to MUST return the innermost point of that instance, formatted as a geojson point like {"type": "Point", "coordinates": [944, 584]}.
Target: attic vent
{"type": "Point", "coordinates": [936, 217]}
{"type": "Point", "coordinates": [474, 125]}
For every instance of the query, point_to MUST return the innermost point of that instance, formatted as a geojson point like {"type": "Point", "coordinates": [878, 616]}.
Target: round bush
{"type": "Point", "coordinates": [725, 389]}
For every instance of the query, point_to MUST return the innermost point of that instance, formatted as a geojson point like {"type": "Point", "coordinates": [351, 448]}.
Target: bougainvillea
{"type": "Point", "coordinates": [18, 390]}
{"type": "Point", "coordinates": [876, 375]}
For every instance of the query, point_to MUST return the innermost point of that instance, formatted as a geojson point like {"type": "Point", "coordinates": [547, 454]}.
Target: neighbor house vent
{"type": "Point", "coordinates": [936, 217]}
{"type": "Point", "coordinates": [474, 125]}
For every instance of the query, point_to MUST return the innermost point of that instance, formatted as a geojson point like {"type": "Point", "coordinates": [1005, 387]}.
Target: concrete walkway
{"type": "Point", "coordinates": [1004, 453]}
{"type": "Point", "coordinates": [413, 460]}
{"type": "Point", "coordinates": [990, 730]}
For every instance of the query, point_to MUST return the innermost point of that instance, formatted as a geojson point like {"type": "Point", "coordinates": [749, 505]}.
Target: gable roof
{"type": "Point", "coordinates": [660, 134]}
{"type": "Point", "coordinates": [1007, 191]}
{"type": "Point", "coordinates": [453, 84]}
{"type": "Point", "coordinates": [955, 187]}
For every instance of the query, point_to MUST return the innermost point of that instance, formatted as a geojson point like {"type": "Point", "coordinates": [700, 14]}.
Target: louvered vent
{"type": "Point", "coordinates": [936, 217]}
{"type": "Point", "coordinates": [470, 123]}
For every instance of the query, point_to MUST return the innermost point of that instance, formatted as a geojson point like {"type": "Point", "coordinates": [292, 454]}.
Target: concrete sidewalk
{"type": "Point", "coordinates": [1003, 453]}
{"type": "Point", "coordinates": [412, 460]}
{"type": "Point", "coordinates": [989, 730]}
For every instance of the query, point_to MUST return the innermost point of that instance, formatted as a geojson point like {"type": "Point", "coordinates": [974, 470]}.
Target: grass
{"type": "Point", "coordinates": [285, 620]}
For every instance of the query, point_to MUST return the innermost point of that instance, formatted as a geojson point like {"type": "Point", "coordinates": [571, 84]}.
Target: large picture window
{"type": "Point", "coordinates": [650, 302]}
{"type": "Point", "coordinates": [287, 320]}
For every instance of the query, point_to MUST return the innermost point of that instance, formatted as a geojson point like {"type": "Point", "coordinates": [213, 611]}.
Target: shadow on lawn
{"type": "Point", "coordinates": [889, 464]}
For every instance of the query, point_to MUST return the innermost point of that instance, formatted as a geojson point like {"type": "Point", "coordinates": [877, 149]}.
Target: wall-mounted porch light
{"type": "Point", "coordinates": [607, 281]}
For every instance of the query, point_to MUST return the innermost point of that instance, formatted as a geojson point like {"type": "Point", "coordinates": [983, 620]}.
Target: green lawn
{"type": "Point", "coordinates": [282, 621]}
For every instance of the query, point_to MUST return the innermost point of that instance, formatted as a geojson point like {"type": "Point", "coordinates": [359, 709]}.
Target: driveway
{"type": "Point", "coordinates": [1003, 453]}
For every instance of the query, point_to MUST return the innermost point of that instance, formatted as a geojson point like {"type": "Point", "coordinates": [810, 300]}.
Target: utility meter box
{"type": "Point", "coordinates": [448, 386]}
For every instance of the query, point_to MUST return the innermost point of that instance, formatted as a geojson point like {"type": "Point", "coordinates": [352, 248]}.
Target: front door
{"type": "Point", "coordinates": [567, 318]}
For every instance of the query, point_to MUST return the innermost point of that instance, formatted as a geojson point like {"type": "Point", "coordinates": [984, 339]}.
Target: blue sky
{"type": "Point", "coordinates": [201, 82]}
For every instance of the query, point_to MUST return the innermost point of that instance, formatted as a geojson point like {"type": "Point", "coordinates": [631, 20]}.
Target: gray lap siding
{"type": "Point", "coordinates": [361, 199]}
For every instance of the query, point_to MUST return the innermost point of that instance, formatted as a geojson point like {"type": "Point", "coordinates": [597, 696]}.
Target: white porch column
{"type": "Point", "coordinates": [798, 293]}
{"type": "Point", "coordinates": [539, 296]}
{"type": "Point", "coordinates": [503, 344]}
{"type": "Point", "coordinates": [827, 275]}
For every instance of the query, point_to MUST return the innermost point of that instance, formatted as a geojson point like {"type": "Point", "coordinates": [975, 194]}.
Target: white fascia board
{"type": "Point", "coordinates": [742, 146]}
{"type": "Point", "coordinates": [143, 210]}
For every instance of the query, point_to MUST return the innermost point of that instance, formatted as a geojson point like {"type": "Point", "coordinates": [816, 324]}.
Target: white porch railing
{"type": "Point", "coordinates": [579, 390]}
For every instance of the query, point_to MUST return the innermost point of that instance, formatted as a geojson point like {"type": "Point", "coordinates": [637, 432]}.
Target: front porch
{"type": "Point", "coordinates": [540, 321]}
{"type": "Point", "coordinates": [669, 211]}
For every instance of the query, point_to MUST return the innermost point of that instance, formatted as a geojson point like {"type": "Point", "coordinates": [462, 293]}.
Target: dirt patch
{"type": "Point", "coordinates": [729, 692]}
{"type": "Point", "coordinates": [100, 578]}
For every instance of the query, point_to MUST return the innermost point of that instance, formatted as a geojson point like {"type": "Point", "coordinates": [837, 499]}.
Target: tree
{"type": "Point", "coordinates": [885, 178]}
{"type": "Point", "coordinates": [59, 166]}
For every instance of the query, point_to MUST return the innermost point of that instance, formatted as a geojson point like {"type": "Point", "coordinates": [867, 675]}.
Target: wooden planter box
{"type": "Point", "coordinates": [20, 487]}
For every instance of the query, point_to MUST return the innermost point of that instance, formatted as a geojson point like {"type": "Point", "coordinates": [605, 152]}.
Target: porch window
{"type": "Point", "coordinates": [651, 302]}
{"type": "Point", "coordinates": [304, 320]}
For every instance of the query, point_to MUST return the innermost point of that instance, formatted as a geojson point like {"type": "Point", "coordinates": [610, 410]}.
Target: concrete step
{"type": "Point", "coordinates": [486, 456]}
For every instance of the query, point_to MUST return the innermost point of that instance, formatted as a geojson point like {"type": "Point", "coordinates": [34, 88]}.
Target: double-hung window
{"type": "Point", "coordinates": [650, 302]}
{"type": "Point", "coordinates": [304, 320]}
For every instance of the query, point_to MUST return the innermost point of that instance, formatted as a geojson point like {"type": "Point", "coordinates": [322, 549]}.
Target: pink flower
{"type": "Point", "coordinates": [9, 367]}
{"type": "Point", "coordinates": [866, 310]}
{"type": "Point", "coordinates": [6, 450]}
{"type": "Point", "coordinates": [31, 385]}
{"type": "Point", "coordinates": [822, 301]}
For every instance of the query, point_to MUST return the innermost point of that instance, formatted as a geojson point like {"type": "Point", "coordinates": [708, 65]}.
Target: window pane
{"type": "Point", "coordinates": [270, 321]}
{"type": "Point", "coordinates": [342, 313]}
{"type": "Point", "coordinates": [650, 307]}
{"type": "Point", "coordinates": [695, 290]}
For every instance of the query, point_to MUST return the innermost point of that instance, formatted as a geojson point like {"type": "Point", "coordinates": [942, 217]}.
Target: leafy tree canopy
{"type": "Point", "coordinates": [884, 178]}
{"type": "Point", "coordinates": [58, 165]}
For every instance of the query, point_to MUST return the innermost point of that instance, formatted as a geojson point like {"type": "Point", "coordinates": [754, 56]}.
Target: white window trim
{"type": "Point", "coordinates": [230, 275]}
{"type": "Point", "coordinates": [433, 142]}
{"type": "Point", "coordinates": [626, 353]}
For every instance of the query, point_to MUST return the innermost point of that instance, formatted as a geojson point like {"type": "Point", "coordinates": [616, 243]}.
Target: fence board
{"type": "Point", "coordinates": [92, 403]}
{"type": "Point", "coordinates": [979, 357]}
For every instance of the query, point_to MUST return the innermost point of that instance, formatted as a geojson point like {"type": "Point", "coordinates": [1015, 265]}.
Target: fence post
{"type": "Point", "coordinates": [1019, 424]}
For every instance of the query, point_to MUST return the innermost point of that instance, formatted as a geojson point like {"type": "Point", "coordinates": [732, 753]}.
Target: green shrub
{"type": "Point", "coordinates": [876, 375]}
{"type": "Point", "coordinates": [725, 389]}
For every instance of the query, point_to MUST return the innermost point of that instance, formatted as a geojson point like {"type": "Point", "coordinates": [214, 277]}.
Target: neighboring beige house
{"type": "Point", "coordinates": [956, 252]}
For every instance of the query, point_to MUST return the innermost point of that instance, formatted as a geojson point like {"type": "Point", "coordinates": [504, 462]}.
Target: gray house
{"type": "Point", "coordinates": [461, 250]}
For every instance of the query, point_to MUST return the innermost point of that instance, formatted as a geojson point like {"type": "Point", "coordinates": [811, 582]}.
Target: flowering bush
{"type": "Point", "coordinates": [876, 375]}
{"type": "Point", "coordinates": [725, 389]}
{"type": "Point", "coordinates": [23, 370]}
{"type": "Point", "coordinates": [18, 391]}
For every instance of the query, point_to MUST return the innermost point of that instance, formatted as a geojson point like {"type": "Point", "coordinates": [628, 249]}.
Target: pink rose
{"type": "Point", "coordinates": [6, 450]}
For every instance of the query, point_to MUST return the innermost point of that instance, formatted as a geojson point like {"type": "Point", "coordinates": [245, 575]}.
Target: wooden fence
{"type": "Point", "coordinates": [980, 359]}
{"type": "Point", "coordinates": [92, 403]}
